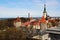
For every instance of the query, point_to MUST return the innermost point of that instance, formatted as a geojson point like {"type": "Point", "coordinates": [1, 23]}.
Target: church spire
{"type": "Point", "coordinates": [44, 12]}
{"type": "Point", "coordinates": [44, 9]}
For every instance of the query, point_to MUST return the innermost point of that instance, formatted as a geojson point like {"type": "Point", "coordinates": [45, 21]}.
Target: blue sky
{"type": "Point", "coordinates": [21, 8]}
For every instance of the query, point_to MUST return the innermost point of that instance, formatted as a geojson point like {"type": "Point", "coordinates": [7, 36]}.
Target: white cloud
{"type": "Point", "coordinates": [52, 3]}
{"type": "Point", "coordinates": [14, 12]}
{"type": "Point", "coordinates": [36, 1]}
{"type": "Point", "coordinates": [38, 4]}
{"type": "Point", "coordinates": [54, 13]}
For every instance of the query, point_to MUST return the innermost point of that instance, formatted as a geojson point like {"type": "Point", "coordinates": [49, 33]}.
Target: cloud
{"type": "Point", "coordinates": [52, 3]}
{"type": "Point", "coordinates": [54, 13]}
{"type": "Point", "coordinates": [36, 1]}
{"type": "Point", "coordinates": [14, 12]}
{"type": "Point", "coordinates": [14, 8]}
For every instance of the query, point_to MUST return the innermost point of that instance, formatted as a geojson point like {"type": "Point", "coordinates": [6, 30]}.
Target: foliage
{"type": "Point", "coordinates": [9, 22]}
{"type": "Point", "coordinates": [12, 34]}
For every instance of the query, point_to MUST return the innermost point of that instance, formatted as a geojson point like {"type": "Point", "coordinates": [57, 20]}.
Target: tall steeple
{"type": "Point", "coordinates": [44, 12]}
{"type": "Point", "coordinates": [28, 15]}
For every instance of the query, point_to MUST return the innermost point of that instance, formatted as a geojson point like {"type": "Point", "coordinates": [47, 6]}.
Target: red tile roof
{"type": "Point", "coordinates": [26, 23]}
{"type": "Point", "coordinates": [43, 20]}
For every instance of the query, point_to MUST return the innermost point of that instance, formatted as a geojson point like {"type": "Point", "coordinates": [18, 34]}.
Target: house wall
{"type": "Point", "coordinates": [17, 24]}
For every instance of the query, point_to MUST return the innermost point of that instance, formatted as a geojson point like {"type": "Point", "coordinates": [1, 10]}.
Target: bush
{"type": "Point", "coordinates": [12, 34]}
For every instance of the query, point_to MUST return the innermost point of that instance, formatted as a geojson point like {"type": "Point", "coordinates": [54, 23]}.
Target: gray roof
{"type": "Point", "coordinates": [53, 30]}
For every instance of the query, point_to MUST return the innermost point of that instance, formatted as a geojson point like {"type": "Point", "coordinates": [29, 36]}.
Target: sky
{"type": "Point", "coordinates": [21, 8]}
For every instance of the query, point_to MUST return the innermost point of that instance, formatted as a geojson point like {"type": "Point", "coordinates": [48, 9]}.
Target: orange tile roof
{"type": "Point", "coordinates": [34, 23]}
{"type": "Point", "coordinates": [38, 23]}
{"type": "Point", "coordinates": [43, 20]}
{"type": "Point", "coordinates": [26, 23]}
{"type": "Point", "coordinates": [51, 20]}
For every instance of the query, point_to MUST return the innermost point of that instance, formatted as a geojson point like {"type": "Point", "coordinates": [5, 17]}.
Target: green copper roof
{"type": "Point", "coordinates": [44, 9]}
